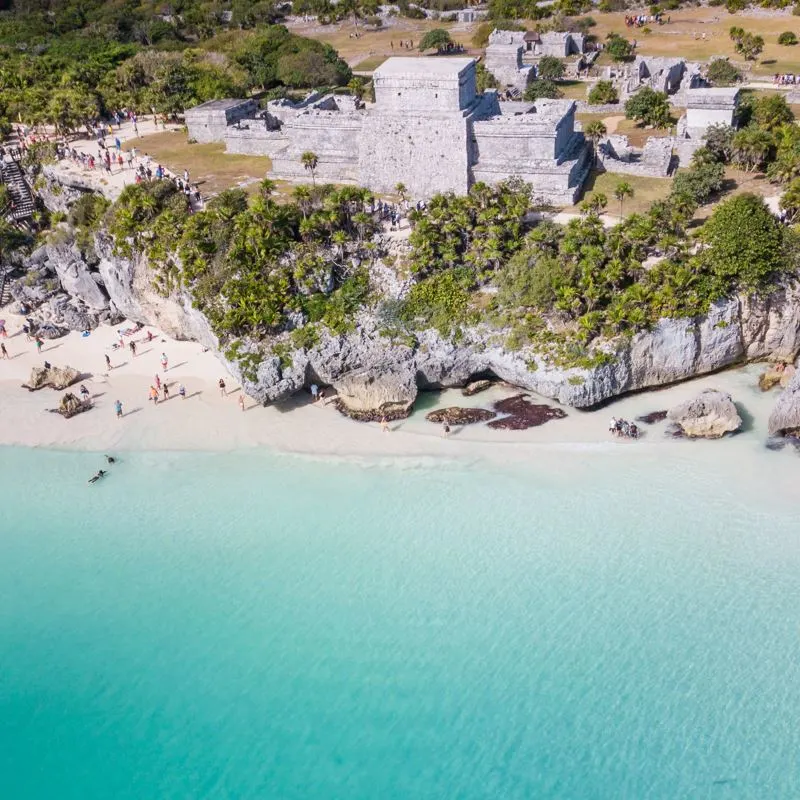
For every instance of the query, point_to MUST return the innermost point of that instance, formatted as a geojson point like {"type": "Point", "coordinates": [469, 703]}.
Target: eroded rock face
{"type": "Point", "coordinates": [709, 415]}
{"type": "Point", "coordinates": [785, 417]}
{"type": "Point", "coordinates": [54, 377]}
{"type": "Point", "coordinates": [388, 394]}
{"type": "Point", "coordinates": [455, 415]}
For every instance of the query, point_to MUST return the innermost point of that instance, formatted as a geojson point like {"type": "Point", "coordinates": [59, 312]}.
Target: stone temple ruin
{"type": "Point", "coordinates": [429, 128]}
{"type": "Point", "coordinates": [506, 50]}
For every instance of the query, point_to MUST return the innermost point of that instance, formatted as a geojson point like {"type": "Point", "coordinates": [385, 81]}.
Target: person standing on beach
{"type": "Point", "coordinates": [39, 344]}
{"type": "Point", "coordinates": [241, 401]}
{"type": "Point", "coordinates": [164, 362]}
{"type": "Point", "coordinates": [166, 392]}
{"type": "Point", "coordinates": [108, 362]}
{"type": "Point", "coordinates": [221, 385]}
{"type": "Point", "coordinates": [182, 391]}
{"type": "Point", "coordinates": [158, 382]}
{"type": "Point", "coordinates": [118, 408]}
{"type": "Point", "coordinates": [384, 425]}
{"type": "Point", "coordinates": [445, 430]}
{"type": "Point", "coordinates": [3, 351]}
{"type": "Point", "coordinates": [132, 346]}
{"type": "Point", "coordinates": [154, 395]}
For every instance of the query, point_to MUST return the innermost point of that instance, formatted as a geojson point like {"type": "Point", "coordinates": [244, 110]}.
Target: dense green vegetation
{"type": "Point", "coordinates": [769, 140]}
{"type": "Point", "coordinates": [279, 272]}
{"type": "Point", "coordinates": [257, 268]}
{"type": "Point", "coordinates": [66, 63]}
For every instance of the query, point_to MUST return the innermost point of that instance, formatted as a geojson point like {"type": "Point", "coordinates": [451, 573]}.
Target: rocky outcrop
{"type": "Point", "coordinates": [785, 417]}
{"type": "Point", "coordinates": [475, 387]}
{"type": "Point", "coordinates": [52, 377]}
{"type": "Point", "coordinates": [385, 394]}
{"type": "Point", "coordinates": [129, 286]}
{"type": "Point", "coordinates": [778, 375]}
{"type": "Point", "coordinates": [455, 415]}
{"type": "Point", "coordinates": [522, 414]}
{"type": "Point", "coordinates": [709, 415]}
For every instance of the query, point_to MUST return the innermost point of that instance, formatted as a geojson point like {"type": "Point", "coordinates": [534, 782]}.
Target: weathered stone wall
{"type": "Point", "coordinates": [427, 153]}
{"type": "Point", "coordinates": [332, 136]}
{"type": "Point", "coordinates": [208, 123]}
{"type": "Point", "coordinates": [254, 140]}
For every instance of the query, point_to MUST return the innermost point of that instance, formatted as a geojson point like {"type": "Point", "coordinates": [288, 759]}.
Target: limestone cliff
{"type": "Point", "coordinates": [365, 366]}
{"type": "Point", "coordinates": [735, 330]}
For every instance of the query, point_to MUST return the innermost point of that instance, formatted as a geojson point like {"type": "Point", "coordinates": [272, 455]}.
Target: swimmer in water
{"type": "Point", "coordinates": [95, 478]}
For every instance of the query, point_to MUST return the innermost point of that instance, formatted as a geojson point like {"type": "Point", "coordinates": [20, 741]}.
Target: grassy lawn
{"type": "Point", "coordinates": [573, 90]}
{"type": "Point", "coordinates": [369, 64]}
{"type": "Point", "coordinates": [682, 37]}
{"type": "Point", "coordinates": [208, 164]}
{"type": "Point", "coordinates": [374, 43]}
{"type": "Point", "coordinates": [646, 191]}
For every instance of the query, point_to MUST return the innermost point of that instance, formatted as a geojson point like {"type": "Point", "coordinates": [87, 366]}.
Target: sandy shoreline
{"type": "Point", "coordinates": [206, 421]}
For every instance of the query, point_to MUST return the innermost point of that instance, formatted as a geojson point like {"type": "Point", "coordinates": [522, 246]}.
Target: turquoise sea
{"type": "Point", "coordinates": [248, 625]}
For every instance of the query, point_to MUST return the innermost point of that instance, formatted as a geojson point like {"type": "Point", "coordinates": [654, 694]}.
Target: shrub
{"type": "Point", "coordinates": [745, 243]}
{"type": "Point", "coordinates": [701, 182]}
{"type": "Point", "coordinates": [722, 73]}
{"type": "Point", "coordinates": [649, 108]}
{"type": "Point", "coordinates": [603, 92]}
{"type": "Point", "coordinates": [618, 47]}
{"type": "Point", "coordinates": [550, 68]}
{"type": "Point", "coordinates": [438, 39]}
{"type": "Point", "coordinates": [787, 38]}
{"type": "Point", "coordinates": [541, 89]}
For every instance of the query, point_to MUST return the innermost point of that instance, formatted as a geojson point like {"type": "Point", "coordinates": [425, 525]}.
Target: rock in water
{"type": "Point", "coordinates": [54, 377]}
{"type": "Point", "coordinates": [652, 417]}
{"type": "Point", "coordinates": [475, 387]}
{"type": "Point", "coordinates": [369, 398]}
{"type": "Point", "coordinates": [710, 415]}
{"type": "Point", "coordinates": [523, 414]}
{"type": "Point", "coordinates": [769, 379]}
{"type": "Point", "coordinates": [455, 415]}
{"type": "Point", "coordinates": [785, 417]}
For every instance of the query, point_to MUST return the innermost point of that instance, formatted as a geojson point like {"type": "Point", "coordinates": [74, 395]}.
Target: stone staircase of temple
{"type": "Point", "coordinates": [22, 203]}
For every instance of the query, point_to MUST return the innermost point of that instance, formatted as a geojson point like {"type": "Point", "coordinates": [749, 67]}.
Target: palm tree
{"type": "Point", "coordinates": [594, 132]}
{"type": "Point", "coordinates": [790, 201]}
{"type": "Point", "coordinates": [623, 190]}
{"type": "Point", "coordinates": [401, 189]}
{"type": "Point", "coordinates": [309, 161]}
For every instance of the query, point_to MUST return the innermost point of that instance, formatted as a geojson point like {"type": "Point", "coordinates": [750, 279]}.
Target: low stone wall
{"type": "Point", "coordinates": [254, 141]}
{"type": "Point", "coordinates": [609, 108]}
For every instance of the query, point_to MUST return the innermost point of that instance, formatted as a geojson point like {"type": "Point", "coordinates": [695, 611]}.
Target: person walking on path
{"type": "Point", "coordinates": [3, 351]}
{"type": "Point", "coordinates": [108, 362]}
{"type": "Point", "coordinates": [132, 346]}
{"type": "Point", "coordinates": [118, 408]}
{"type": "Point", "coordinates": [221, 385]}
{"type": "Point", "coordinates": [164, 362]}
{"type": "Point", "coordinates": [241, 401]}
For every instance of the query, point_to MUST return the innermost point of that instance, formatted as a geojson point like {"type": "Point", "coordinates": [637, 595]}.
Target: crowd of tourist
{"type": "Point", "coordinates": [788, 79]}
{"type": "Point", "coordinates": [640, 20]}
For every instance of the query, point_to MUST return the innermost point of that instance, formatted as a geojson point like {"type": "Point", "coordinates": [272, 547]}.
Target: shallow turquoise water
{"type": "Point", "coordinates": [254, 626]}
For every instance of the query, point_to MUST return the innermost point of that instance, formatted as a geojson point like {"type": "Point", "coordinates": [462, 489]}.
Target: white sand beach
{"type": "Point", "coordinates": [209, 422]}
